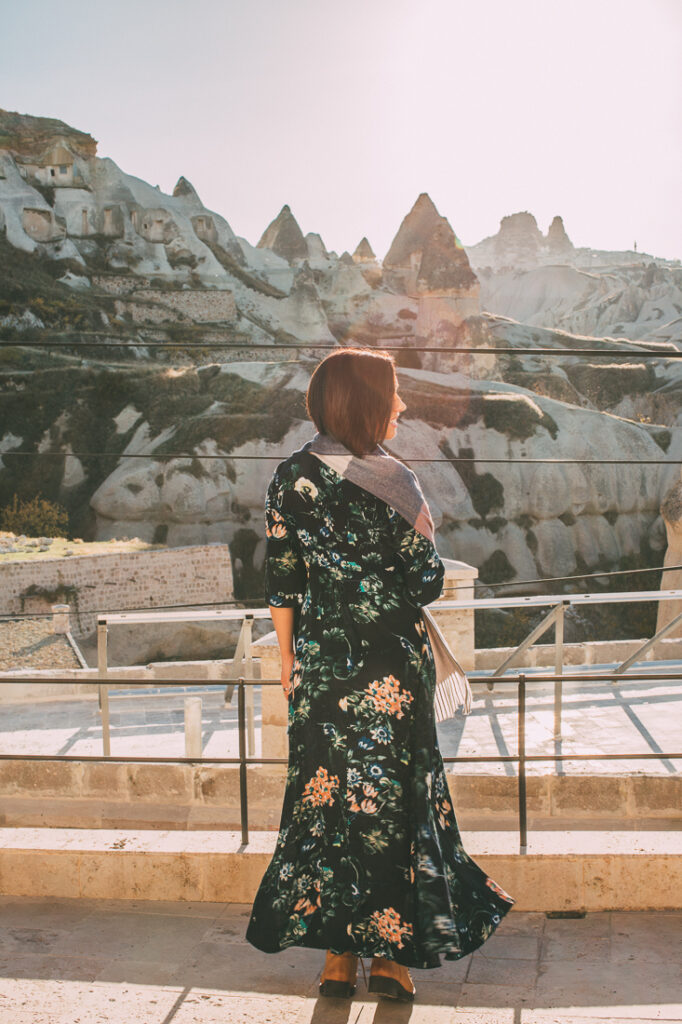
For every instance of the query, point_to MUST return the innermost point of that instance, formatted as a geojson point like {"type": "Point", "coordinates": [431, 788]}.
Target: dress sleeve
{"type": "Point", "coordinates": [285, 570]}
{"type": "Point", "coordinates": [418, 561]}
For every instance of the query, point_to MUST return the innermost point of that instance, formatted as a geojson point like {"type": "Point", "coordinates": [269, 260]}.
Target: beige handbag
{"type": "Point", "coordinates": [452, 685]}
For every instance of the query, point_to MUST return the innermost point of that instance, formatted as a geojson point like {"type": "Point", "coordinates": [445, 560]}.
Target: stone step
{"type": "Point", "coordinates": [106, 794]}
{"type": "Point", "coordinates": [570, 871]}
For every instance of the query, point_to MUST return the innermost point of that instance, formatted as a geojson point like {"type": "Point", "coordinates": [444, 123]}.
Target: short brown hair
{"type": "Point", "coordinates": [350, 397]}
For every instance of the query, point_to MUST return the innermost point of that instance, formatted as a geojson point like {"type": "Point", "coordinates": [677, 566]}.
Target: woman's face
{"type": "Point", "coordinates": [396, 409]}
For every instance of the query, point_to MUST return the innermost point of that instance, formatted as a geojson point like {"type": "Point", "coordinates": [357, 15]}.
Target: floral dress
{"type": "Point", "coordinates": [369, 857]}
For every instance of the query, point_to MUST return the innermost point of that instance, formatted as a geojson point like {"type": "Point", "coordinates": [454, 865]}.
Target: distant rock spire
{"type": "Point", "coordinates": [284, 237]}
{"type": "Point", "coordinates": [519, 239]}
{"type": "Point", "coordinates": [426, 239]}
{"type": "Point", "coordinates": [364, 252]}
{"type": "Point", "coordinates": [185, 191]}
{"type": "Point", "coordinates": [413, 232]}
{"type": "Point", "coordinates": [557, 239]}
{"type": "Point", "coordinates": [183, 187]}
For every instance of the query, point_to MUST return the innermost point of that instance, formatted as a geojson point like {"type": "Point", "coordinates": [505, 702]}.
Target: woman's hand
{"type": "Point", "coordinates": [287, 667]}
{"type": "Point", "coordinates": [283, 621]}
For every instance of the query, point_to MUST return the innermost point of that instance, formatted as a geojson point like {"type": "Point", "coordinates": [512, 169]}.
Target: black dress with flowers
{"type": "Point", "coordinates": [369, 856]}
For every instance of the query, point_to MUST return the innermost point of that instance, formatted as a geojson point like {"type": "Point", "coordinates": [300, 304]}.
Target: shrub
{"type": "Point", "coordinates": [35, 517]}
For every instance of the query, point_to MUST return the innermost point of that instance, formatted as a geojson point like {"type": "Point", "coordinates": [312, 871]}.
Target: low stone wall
{"type": "Point", "coordinates": [118, 284]}
{"type": "Point", "coordinates": [201, 574]}
{"type": "Point", "coordinates": [200, 306]}
{"type": "Point", "coordinates": [84, 794]}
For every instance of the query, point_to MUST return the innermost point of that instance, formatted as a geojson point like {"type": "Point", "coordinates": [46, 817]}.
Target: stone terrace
{"type": "Point", "coordinates": [143, 962]}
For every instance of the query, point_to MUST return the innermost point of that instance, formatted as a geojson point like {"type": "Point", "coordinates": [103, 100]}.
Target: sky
{"type": "Point", "coordinates": [347, 110]}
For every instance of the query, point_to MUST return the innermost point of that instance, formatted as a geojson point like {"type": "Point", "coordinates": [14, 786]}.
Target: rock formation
{"type": "Point", "coordinates": [426, 255]}
{"type": "Point", "coordinates": [284, 237]}
{"type": "Point", "coordinates": [105, 253]}
{"type": "Point", "coordinates": [364, 252]}
{"type": "Point", "coordinates": [546, 280]}
{"type": "Point", "coordinates": [558, 242]}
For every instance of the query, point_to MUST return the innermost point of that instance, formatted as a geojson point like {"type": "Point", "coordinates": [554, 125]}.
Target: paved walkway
{"type": "Point", "coordinates": [134, 962]}
{"type": "Point", "coordinates": [640, 716]}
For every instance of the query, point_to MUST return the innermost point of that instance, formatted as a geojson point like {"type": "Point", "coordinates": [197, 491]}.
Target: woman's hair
{"type": "Point", "coordinates": [350, 397]}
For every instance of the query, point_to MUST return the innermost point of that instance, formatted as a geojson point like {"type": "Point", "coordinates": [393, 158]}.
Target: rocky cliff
{"type": "Point", "coordinates": [545, 280]}
{"type": "Point", "coordinates": [93, 254]}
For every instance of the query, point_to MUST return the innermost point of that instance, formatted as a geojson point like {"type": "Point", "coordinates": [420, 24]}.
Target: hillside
{"type": "Point", "coordinates": [189, 367]}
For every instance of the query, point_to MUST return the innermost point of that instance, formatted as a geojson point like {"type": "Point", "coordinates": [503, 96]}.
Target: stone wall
{"type": "Point", "coordinates": [196, 575]}
{"type": "Point", "coordinates": [202, 306]}
{"type": "Point", "coordinates": [147, 312]}
{"type": "Point", "coordinates": [82, 794]}
{"type": "Point", "coordinates": [117, 284]}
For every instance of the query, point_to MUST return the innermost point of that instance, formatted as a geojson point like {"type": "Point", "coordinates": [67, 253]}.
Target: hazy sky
{"type": "Point", "coordinates": [348, 110]}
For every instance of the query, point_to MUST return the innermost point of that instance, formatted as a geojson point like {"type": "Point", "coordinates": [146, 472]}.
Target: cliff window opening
{"type": "Point", "coordinates": [52, 174]}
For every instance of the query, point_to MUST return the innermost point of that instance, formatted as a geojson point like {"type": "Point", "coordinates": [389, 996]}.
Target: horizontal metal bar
{"type": "Point", "coordinates": [200, 615]}
{"type": "Point", "coordinates": [112, 681]}
{"type": "Point", "coordinates": [539, 600]}
{"type": "Point", "coordinates": [125, 341]}
{"type": "Point", "coordinates": [651, 675]}
{"type": "Point", "coordinates": [493, 759]}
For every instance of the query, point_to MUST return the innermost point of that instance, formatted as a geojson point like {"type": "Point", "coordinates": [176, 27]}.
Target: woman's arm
{"type": "Point", "coordinates": [285, 574]}
{"type": "Point", "coordinates": [419, 562]}
{"type": "Point", "coordinates": [283, 621]}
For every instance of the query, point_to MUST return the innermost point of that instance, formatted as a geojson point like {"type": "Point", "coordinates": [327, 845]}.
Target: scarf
{"type": "Point", "coordinates": [394, 483]}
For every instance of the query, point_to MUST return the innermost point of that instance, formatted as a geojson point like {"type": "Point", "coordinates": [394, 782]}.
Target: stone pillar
{"type": "Point", "coordinates": [60, 618]}
{"type": "Point", "coordinates": [274, 706]}
{"type": "Point", "coordinates": [458, 626]}
{"type": "Point", "coordinates": [671, 511]}
{"type": "Point", "coordinates": [193, 739]}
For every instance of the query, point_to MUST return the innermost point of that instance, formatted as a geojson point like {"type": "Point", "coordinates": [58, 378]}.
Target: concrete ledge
{"type": "Point", "coordinates": [561, 871]}
{"type": "Point", "coordinates": [88, 794]}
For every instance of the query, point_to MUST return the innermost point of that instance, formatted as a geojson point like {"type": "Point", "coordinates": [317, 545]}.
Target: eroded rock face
{"type": "Point", "coordinates": [513, 521]}
{"type": "Point", "coordinates": [32, 137]}
{"type": "Point", "coordinates": [620, 302]}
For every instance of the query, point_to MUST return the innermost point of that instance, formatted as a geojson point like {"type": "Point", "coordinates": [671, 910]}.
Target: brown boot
{"type": "Point", "coordinates": [390, 979]}
{"type": "Point", "coordinates": [339, 975]}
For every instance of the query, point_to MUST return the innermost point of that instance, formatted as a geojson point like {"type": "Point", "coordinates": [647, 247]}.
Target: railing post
{"type": "Point", "coordinates": [102, 671]}
{"type": "Point", "coordinates": [523, 819]}
{"type": "Point", "coordinates": [558, 667]}
{"type": "Point", "coordinates": [243, 797]}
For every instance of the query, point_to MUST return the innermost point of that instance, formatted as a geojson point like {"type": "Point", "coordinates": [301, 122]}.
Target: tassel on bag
{"type": "Point", "coordinates": [452, 685]}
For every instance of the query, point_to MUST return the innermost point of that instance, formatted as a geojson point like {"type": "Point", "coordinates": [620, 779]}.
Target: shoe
{"type": "Point", "coordinates": [339, 975]}
{"type": "Point", "coordinates": [391, 980]}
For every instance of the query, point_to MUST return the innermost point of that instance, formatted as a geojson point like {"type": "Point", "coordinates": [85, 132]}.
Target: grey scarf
{"type": "Point", "coordinates": [393, 482]}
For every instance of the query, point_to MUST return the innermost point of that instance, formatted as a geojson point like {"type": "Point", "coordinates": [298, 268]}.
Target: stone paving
{"type": "Point", "coordinates": [640, 716]}
{"type": "Point", "coordinates": [142, 962]}
{"type": "Point", "coordinates": [32, 644]}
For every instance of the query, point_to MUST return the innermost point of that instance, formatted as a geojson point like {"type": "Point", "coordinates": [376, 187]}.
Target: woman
{"type": "Point", "coordinates": [369, 860]}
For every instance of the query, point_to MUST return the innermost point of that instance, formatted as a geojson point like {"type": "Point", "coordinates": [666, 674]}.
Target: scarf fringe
{"type": "Point", "coordinates": [450, 694]}
{"type": "Point", "coordinates": [452, 686]}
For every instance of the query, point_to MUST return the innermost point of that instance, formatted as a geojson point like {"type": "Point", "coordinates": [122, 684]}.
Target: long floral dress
{"type": "Point", "coordinates": [369, 857]}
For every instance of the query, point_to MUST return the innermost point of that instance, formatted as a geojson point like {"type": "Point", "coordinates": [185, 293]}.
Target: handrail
{"type": "Point", "coordinates": [243, 761]}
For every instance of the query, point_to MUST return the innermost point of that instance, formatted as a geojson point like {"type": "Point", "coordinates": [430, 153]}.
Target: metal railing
{"type": "Point", "coordinates": [244, 760]}
{"type": "Point", "coordinates": [558, 604]}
